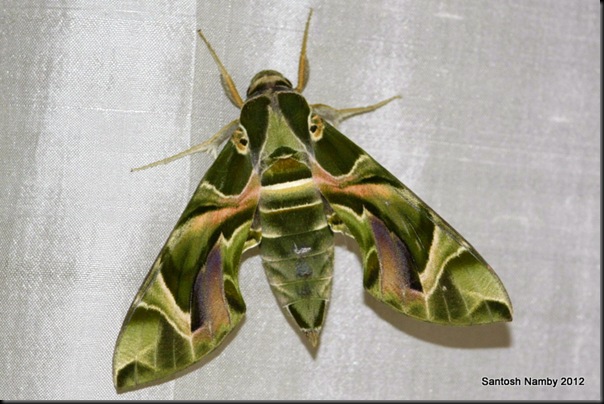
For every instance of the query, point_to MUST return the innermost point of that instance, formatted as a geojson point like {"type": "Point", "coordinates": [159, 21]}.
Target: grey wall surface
{"type": "Point", "coordinates": [498, 130]}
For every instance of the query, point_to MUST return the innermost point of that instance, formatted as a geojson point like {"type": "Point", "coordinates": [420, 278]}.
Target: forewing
{"type": "Point", "coordinates": [414, 261]}
{"type": "Point", "coordinates": [190, 299]}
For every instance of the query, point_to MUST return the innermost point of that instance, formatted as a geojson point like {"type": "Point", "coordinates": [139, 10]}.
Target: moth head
{"type": "Point", "coordinates": [267, 80]}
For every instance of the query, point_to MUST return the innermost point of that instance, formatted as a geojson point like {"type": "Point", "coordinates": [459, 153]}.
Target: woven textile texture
{"type": "Point", "coordinates": [498, 130]}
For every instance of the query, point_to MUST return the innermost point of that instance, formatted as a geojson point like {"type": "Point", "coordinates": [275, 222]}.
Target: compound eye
{"type": "Point", "coordinates": [240, 140]}
{"type": "Point", "coordinates": [315, 127]}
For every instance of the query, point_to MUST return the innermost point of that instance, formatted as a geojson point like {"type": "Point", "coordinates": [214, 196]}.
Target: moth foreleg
{"type": "Point", "coordinates": [210, 146]}
{"type": "Point", "coordinates": [337, 116]}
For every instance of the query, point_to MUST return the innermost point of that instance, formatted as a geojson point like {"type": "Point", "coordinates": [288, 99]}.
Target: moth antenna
{"type": "Point", "coordinates": [303, 65]}
{"type": "Point", "coordinates": [227, 82]}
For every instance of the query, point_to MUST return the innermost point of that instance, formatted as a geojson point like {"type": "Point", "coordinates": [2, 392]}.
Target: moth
{"type": "Point", "coordinates": [286, 180]}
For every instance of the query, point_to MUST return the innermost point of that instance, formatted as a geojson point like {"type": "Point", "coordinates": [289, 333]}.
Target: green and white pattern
{"type": "Point", "coordinates": [286, 180]}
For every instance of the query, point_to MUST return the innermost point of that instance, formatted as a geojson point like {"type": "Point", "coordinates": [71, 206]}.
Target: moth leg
{"type": "Point", "coordinates": [211, 146]}
{"type": "Point", "coordinates": [337, 116]}
{"type": "Point", "coordinates": [255, 235]}
{"type": "Point", "coordinates": [227, 82]}
{"type": "Point", "coordinates": [337, 225]}
{"type": "Point", "coordinates": [303, 66]}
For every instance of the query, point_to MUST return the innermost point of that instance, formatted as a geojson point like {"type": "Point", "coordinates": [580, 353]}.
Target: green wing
{"type": "Point", "coordinates": [414, 261]}
{"type": "Point", "coordinates": [190, 299]}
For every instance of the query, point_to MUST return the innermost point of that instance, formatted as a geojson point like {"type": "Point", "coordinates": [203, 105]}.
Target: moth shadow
{"type": "Point", "coordinates": [495, 335]}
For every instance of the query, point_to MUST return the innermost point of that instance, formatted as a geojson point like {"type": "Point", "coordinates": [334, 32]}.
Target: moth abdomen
{"type": "Point", "coordinates": [302, 286]}
{"type": "Point", "coordinates": [297, 247]}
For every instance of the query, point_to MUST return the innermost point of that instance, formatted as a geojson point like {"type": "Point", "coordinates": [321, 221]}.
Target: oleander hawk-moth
{"type": "Point", "coordinates": [286, 181]}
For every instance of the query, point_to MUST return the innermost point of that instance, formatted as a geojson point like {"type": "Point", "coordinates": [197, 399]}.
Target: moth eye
{"type": "Point", "coordinates": [315, 127]}
{"type": "Point", "coordinates": [240, 140]}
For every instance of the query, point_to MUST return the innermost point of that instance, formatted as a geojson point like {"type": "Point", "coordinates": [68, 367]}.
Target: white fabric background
{"type": "Point", "coordinates": [498, 130]}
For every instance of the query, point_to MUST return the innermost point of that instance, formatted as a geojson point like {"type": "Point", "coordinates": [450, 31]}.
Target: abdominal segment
{"type": "Point", "coordinates": [297, 249]}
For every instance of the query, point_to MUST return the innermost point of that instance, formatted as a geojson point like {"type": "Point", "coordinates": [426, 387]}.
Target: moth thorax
{"type": "Point", "coordinates": [267, 80]}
